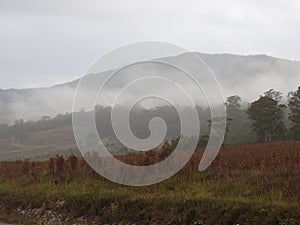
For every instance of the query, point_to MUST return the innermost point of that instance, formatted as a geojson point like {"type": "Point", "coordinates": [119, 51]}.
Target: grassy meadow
{"type": "Point", "coordinates": [246, 184]}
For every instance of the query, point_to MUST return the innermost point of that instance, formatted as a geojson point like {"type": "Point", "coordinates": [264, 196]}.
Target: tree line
{"type": "Point", "coordinates": [264, 120]}
{"type": "Point", "coordinates": [268, 113]}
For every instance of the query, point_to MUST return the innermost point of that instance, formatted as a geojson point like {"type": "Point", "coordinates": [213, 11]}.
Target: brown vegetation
{"type": "Point", "coordinates": [268, 158]}
{"type": "Point", "coordinates": [246, 184]}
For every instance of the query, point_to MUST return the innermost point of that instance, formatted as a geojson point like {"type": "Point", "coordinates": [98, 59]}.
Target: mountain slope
{"type": "Point", "coordinates": [247, 76]}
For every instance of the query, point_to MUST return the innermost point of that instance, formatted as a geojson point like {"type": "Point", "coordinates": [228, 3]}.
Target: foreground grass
{"type": "Point", "coordinates": [210, 197]}
{"type": "Point", "coordinates": [246, 185]}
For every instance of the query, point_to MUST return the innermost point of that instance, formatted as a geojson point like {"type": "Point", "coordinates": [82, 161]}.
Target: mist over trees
{"type": "Point", "coordinates": [21, 129]}
{"type": "Point", "coordinates": [264, 120]}
{"type": "Point", "coordinates": [294, 115]}
{"type": "Point", "coordinates": [239, 125]}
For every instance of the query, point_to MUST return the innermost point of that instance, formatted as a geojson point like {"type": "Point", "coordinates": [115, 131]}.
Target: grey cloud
{"type": "Point", "coordinates": [45, 41]}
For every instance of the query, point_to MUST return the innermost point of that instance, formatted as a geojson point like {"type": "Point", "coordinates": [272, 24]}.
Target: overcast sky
{"type": "Point", "coordinates": [49, 42]}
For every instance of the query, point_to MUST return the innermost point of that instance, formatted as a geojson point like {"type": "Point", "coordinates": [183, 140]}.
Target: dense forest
{"type": "Point", "coordinates": [266, 119]}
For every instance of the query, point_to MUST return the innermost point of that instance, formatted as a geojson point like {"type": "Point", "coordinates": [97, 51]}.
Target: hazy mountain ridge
{"type": "Point", "coordinates": [247, 76]}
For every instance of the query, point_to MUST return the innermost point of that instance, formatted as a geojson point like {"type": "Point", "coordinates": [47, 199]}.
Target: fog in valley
{"type": "Point", "coordinates": [246, 76]}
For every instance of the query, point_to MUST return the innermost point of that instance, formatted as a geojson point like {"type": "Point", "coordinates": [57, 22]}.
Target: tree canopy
{"type": "Point", "coordinates": [267, 116]}
{"type": "Point", "coordinates": [294, 114]}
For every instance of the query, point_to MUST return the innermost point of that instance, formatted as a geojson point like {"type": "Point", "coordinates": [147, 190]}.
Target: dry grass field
{"type": "Point", "coordinates": [246, 184]}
